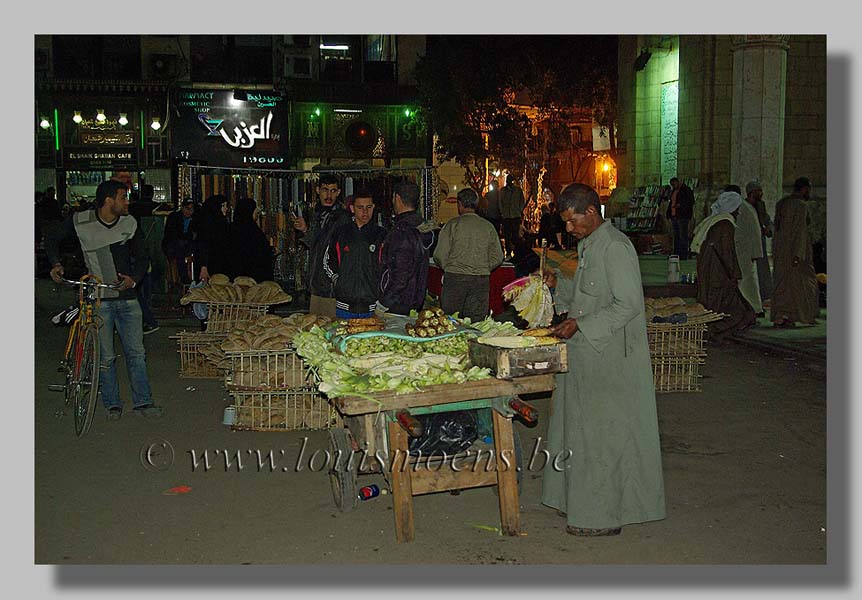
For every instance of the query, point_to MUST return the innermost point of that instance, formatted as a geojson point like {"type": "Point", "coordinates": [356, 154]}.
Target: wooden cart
{"type": "Point", "coordinates": [378, 427]}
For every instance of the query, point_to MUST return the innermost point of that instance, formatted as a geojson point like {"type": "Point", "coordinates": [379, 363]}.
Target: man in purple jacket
{"type": "Point", "coordinates": [404, 263]}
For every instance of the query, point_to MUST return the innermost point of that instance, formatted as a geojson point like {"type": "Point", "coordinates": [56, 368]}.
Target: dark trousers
{"type": "Point", "coordinates": [510, 232]}
{"type": "Point", "coordinates": [145, 297]}
{"type": "Point", "coordinates": [466, 294]}
{"type": "Point", "coordinates": [680, 237]}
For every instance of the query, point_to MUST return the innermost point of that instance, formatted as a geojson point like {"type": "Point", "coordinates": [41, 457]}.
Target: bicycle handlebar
{"type": "Point", "coordinates": [92, 284]}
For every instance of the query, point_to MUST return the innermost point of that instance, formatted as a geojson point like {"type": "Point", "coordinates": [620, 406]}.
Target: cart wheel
{"type": "Point", "coordinates": [341, 478]}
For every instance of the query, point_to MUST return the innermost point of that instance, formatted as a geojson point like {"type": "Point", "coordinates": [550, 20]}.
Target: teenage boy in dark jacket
{"type": "Point", "coordinates": [404, 261]}
{"type": "Point", "coordinates": [328, 216]}
{"type": "Point", "coordinates": [352, 261]}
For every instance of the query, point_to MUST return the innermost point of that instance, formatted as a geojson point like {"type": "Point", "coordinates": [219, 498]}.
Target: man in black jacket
{"type": "Point", "coordinates": [404, 261]}
{"type": "Point", "coordinates": [114, 252]}
{"type": "Point", "coordinates": [352, 261]}
{"type": "Point", "coordinates": [680, 210]}
{"type": "Point", "coordinates": [328, 215]}
{"type": "Point", "coordinates": [178, 242]}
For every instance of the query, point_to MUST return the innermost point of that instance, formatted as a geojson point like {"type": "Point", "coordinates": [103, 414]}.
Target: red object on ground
{"type": "Point", "coordinates": [500, 277]}
{"type": "Point", "coordinates": [180, 489]}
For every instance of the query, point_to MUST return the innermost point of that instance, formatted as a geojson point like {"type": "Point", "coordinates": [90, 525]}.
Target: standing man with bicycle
{"type": "Point", "coordinates": [114, 252]}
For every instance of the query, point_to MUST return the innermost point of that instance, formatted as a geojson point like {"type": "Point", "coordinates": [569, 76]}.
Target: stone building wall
{"type": "Point", "coordinates": [705, 138]}
{"type": "Point", "coordinates": [805, 112]}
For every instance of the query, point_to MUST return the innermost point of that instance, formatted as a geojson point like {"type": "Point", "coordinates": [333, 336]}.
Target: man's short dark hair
{"type": "Point", "coordinates": [510, 179]}
{"type": "Point", "coordinates": [577, 197]}
{"type": "Point", "coordinates": [328, 179]}
{"type": "Point", "coordinates": [363, 193]}
{"type": "Point", "coordinates": [468, 198]}
{"type": "Point", "coordinates": [672, 179]}
{"type": "Point", "coordinates": [148, 192]}
{"type": "Point", "coordinates": [409, 193]}
{"type": "Point", "coordinates": [108, 189]}
{"type": "Point", "coordinates": [188, 202]}
{"type": "Point", "coordinates": [800, 183]}
{"type": "Point", "coordinates": [731, 187]}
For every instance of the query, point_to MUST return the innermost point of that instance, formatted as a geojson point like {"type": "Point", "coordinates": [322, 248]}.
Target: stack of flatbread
{"type": "Point", "coordinates": [243, 290]}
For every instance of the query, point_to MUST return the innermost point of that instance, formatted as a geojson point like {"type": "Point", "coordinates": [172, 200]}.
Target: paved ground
{"type": "Point", "coordinates": [744, 467]}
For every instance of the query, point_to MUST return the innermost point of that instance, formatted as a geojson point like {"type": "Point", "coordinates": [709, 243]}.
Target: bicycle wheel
{"type": "Point", "coordinates": [68, 363]}
{"type": "Point", "coordinates": [86, 383]}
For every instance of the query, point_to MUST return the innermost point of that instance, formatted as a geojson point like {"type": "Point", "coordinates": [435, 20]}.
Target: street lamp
{"type": "Point", "coordinates": [156, 124]}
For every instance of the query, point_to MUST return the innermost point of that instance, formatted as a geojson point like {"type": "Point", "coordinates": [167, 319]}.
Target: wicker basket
{"type": "Point", "coordinates": [677, 373]}
{"type": "Point", "coordinates": [265, 370]}
{"type": "Point", "coordinates": [282, 410]}
{"type": "Point", "coordinates": [222, 317]}
{"type": "Point", "coordinates": [196, 350]}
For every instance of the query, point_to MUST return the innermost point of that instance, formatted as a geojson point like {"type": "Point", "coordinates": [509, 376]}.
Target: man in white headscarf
{"type": "Point", "coordinates": [748, 250]}
{"type": "Point", "coordinates": [718, 271]}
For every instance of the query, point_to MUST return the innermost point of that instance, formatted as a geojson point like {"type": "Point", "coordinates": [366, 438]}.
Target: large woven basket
{"type": "Point", "coordinates": [265, 370]}
{"type": "Point", "coordinates": [197, 351]}
{"type": "Point", "coordinates": [222, 317]}
{"type": "Point", "coordinates": [282, 410]}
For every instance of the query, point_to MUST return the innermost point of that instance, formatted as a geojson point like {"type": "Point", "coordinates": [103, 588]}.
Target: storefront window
{"type": "Point", "coordinates": [336, 58]}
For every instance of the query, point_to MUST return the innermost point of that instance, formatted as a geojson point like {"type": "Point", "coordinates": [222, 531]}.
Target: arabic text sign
{"type": "Point", "coordinates": [214, 128]}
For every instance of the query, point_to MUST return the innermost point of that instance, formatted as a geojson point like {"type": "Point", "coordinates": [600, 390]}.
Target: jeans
{"type": "Point", "coordinates": [145, 297]}
{"type": "Point", "coordinates": [125, 317]}
{"type": "Point", "coordinates": [680, 237]}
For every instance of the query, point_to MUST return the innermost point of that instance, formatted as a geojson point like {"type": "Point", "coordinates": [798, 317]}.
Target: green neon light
{"type": "Point", "coordinates": [406, 112]}
{"type": "Point", "coordinates": [317, 111]}
{"type": "Point", "coordinates": [142, 130]}
{"type": "Point", "coordinates": [56, 131]}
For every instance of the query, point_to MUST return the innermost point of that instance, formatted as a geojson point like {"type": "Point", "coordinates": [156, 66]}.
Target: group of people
{"type": "Point", "coordinates": [355, 267]}
{"type": "Point", "coordinates": [733, 270]}
{"type": "Point", "coordinates": [504, 208]}
{"type": "Point", "coordinates": [207, 240]}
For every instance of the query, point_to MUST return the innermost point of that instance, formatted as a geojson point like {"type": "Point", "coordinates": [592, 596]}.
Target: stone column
{"type": "Point", "coordinates": [757, 134]}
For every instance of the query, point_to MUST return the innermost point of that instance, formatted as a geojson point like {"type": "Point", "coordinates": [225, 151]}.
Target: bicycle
{"type": "Point", "coordinates": [81, 357]}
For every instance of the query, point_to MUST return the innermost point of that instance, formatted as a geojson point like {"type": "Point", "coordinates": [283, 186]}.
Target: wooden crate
{"type": "Point", "coordinates": [519, 362]}
{"type": "Point", "coordinates": [192, 347]}
{"type": "Point", "coordinates": [677, 373]}
{"type": "Point", "coordinates": [668, 339]}
{"type": "Point", "coordinates": [265, 370]}
{"type": "Point", "coordinates": [222, 317]}
{"type": "Point", "coordinates": [281, 410]}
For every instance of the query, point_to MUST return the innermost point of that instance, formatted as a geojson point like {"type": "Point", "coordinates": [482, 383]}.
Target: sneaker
{"type": "Point", "coordinates": [150, 328]}
{"type": "Point", "coordinates": [151, 411]}
{"type": "Point", "coordinates": [114, 413]}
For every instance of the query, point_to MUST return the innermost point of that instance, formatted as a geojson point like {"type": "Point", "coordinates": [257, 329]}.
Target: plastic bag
{"type": "Point", "coordinates": [199, 309]}
{"type": "Point", "coordinates": [448, 433]}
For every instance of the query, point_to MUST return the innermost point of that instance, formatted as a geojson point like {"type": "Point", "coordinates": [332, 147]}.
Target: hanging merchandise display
{"type": "Point", "coordinates": [280, 193]}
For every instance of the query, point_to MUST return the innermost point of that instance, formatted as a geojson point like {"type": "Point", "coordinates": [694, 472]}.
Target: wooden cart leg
{"type": "Point", "coordinates": [402, 486]}
{"type": "Point", "coordinates": [507, 477]}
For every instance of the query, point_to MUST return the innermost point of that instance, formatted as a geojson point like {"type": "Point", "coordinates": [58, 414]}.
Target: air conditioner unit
{"type": "Point", "coordinates": [297, 66]}
{"type": "Point", "coordinates": [163, 66]}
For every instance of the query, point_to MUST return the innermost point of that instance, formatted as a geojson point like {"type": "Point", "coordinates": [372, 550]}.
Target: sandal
{"type": "Point", "coordinates": [587, 532]}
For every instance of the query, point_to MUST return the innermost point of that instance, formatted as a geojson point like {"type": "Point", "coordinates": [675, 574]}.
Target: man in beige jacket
{"type": "Point", "coordinates": [468, 250]}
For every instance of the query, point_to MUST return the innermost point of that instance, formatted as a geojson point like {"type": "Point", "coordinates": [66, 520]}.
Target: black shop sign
{"type": "Point", "coordinates": [221, 128]}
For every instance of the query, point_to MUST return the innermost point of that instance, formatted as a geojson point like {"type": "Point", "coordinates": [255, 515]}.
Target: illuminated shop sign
{"type": "Point", "coordinates": [98, 158]}
{"type": "Point", "coordinates": [220, 128]}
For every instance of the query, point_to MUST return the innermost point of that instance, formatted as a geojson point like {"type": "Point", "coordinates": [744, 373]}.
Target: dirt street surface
{"type": "Point", "coordinates": [744, 470]}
